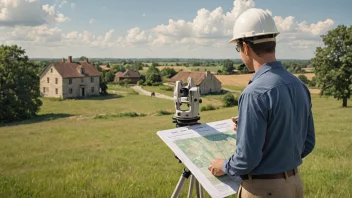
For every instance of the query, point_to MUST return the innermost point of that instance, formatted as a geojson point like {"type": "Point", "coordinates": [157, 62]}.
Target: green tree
{"type": "Point", "coordinates": [304, 79]}
{"type": "Point", "coordinates": [19, 85]}
{"type": "Point", "coordinates": [333, 64]}
{"type": "Point", "coordinates": [168, 72]}
{"type": "Point", "coordinates": [153, 75]}
{"type": "Point", "coordinates": [229, 100]}
{"type": "Point", "coordinates": [242, 68]}
{"type": "Point", "coordinates": [117, 68]}
{"type": "Point", "coordinates": [82, 58]}
{"type": "Point", "coordinates": [227, 67]}
{"type": "Point", "coordinates": [155, 64]}
{"type": "Point", "coordinates": [109, 76]}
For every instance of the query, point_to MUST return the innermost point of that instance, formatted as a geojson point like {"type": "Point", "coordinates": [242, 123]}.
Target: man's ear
{"type": "Point", "coordinates": [245, 49]}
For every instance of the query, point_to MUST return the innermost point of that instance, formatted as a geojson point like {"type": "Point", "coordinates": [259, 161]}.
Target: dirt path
{"type": "Point", "coordinates": [140, 90]}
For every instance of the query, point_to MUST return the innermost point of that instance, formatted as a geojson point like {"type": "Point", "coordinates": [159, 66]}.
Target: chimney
{"type": "Point", "coordinates": [63, 60]}
{"type": "Point", "coordinates": [87, 60]}
{"type": "Point", "coordinates": [69, 59]}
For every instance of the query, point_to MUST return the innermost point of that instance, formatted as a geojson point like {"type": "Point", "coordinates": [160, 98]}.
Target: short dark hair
{"type": "Point", "coordinates": [260, 48]}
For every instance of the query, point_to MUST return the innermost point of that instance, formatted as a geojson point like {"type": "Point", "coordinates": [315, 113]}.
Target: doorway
{"type": "Point", "coordinates": [82, 91]}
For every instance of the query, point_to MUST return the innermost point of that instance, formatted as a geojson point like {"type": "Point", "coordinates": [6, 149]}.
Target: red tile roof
{"type": "Point", "coordinates": [119, 74]}
{"type": "Point", "coordinates": [197, 77]}
{"type": "Point", "coordinates": [71, 70]}
{"type": "Point", "coordinates": [130, 74]}
{"type": "Point", "coordinates": [104, 68]}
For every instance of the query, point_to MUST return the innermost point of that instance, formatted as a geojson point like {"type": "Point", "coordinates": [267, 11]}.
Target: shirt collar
{"type": "Point", "coordinates": [265, 68]}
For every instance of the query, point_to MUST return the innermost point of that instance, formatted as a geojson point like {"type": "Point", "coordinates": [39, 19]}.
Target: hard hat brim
{"type": "Point", "coordinates": [235, 40]}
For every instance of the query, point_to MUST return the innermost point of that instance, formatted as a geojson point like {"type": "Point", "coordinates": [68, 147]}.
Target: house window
{"type": "Point", "coordinates": [91, 79]}
{"type": "Point", "coordinates": [47, 79]}
{"type": "Point", "coordinates": [92, 89]}
{"type": "Point", "coordinates": [51, 70]}
{"type": "Point", "coordinates": [43, 89]}
{"type": "Point", "coordinates": [70, 91]}
{"type": "Point", "coordinates": [82, 71]}
{"type": "Point", "coordinates": [82, 80]}
{"type": "Point", "coordinates": [70, 81]}
{"type": "Point", "coordinates": [56, 80]}
{"type": "Point", "coordinates": [57, 91]}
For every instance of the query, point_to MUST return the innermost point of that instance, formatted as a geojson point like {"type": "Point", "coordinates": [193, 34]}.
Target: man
{"type": "Point", "coordinates": [275, 128]}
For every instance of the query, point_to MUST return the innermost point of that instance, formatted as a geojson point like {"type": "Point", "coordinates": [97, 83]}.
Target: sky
{"type": "Point", "coordinates": [160, 28]}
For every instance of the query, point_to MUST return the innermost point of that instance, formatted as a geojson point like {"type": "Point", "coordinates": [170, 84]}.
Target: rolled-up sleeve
{"type": "Point", "coordinates": [251, 132]}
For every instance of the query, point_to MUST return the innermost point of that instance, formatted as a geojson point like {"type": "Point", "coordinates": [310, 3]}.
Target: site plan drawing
{"type": "Point", "coordinates": [196, 146]}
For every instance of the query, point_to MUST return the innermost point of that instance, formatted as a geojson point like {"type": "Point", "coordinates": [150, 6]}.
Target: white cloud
{"type": "Point", "coordinates": [135, 36]}
{"type": "Point", "coordinates": [73, 5]}
{"type": "Point", "coordinates": [206, 24]}
{"type": "Point", "coordinates": [27, 13]}
{"type": "Point", "coordinates": [206, 35]}
{"type": "Point", "coordinates": [284, 24]}
{"type": "Point", "coordinates": [61, 18]}
{"type": "Point", "coordinates": [39, 35]}
{"type": "Point", "coordinates": [318, 28]}
{"type": "Point", "coordinates": [62, 4]}
{"type": "Point", "coordinates": [88, 39]}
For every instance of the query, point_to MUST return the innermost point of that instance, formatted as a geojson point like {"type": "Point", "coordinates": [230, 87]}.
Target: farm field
{"type": "Point", "coordinates": [189, 68]}
{"type": "Point", "coordinates": [243, 79]}
{"type": "Point", "coordinates": [67, 152]}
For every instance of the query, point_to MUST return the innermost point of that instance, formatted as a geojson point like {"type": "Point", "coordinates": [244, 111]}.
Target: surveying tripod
{"type": "Point", "coordinates": [187, 173]}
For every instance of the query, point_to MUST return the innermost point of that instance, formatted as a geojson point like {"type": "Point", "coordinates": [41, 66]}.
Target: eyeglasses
{"type": "Point", "coordinates": [237, 48]}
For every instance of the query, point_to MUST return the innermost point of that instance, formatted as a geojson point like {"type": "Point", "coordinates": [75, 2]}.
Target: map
{"type": "Point", "coordinates": [202, 150]}
{"type": "Point", "coordinates": [196, 146]}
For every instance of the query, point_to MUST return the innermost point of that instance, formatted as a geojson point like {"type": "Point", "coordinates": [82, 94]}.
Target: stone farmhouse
{"type": "Point", "coordinates": [69, 79]}
{"type": "Point", "coordinates": [127, 75]}
{"type": "Point", "coordinates": [206, 81]}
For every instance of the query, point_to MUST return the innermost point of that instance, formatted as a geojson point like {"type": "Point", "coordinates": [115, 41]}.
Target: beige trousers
{"type": "Point", "coordinates": [289, 187]}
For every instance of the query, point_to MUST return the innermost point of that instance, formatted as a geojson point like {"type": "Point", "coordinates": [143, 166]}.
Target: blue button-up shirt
{"type": "Point", "coordinates": [275, 128]}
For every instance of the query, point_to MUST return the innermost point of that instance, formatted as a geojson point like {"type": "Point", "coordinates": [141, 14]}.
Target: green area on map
{"type": "Point", "coordinates": [202, 150]}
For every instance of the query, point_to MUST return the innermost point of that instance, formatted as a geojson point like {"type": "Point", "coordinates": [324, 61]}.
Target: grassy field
{"type": "Point", "coordinates": [184, 68]}
{"type": "Point", "coordinates": [215, 99]}
{"type": "Point", "coordinates": [66, 152]}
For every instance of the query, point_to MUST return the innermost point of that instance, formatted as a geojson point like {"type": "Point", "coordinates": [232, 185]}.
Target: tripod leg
{"type": "Point", "coordinates": [191, 184]}
{"type": "Point", "coordinates": [201, 195]}
{"type": "Point", "coordinates": [199, 189]}
{"type": "Point", "coordinates": [179, 187]}
{"type": "Point", "coordinates": [186, 173]}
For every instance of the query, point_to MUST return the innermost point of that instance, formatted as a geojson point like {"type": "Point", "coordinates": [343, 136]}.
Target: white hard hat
{"type": "Point", "coordinates": [253, 23]}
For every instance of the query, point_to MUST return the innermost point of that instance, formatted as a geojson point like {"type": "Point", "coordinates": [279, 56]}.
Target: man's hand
{"type": "Point", "coordinates": [215, 167]}
{"type": "Point", "coordinates": [234, 120]}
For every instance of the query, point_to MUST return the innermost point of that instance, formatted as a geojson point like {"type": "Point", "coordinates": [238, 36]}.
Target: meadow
{"type": "Point", "coordinates": [67, 151]}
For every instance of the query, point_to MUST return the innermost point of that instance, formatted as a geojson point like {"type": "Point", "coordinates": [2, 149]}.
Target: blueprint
{"type": "Point", "coordinates": [198, 145]}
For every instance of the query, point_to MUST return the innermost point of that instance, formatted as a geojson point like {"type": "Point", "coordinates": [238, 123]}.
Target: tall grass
{"type": "Point", "coordinates": [69, 157]}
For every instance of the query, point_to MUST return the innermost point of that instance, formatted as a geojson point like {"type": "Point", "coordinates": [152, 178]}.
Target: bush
{"type": "Point", "coordinates": [166, 88]}
{"type": "Point", "coordinates": [208, 107]}
{"type": "Point", "coordinates": [304, 79]}
{"type": "Point", "coordinates": [229, 100]}
{"type": "Point", "coordinates": [313, 82]}
{"type": "Point", "coordinates": [122, 114]}
{"type": "Point", "coordinates": [163, 112]}
{"type": "Point", "coordinates": [156, 84]}
{"type": "Point", "coordinates": [140, 82]}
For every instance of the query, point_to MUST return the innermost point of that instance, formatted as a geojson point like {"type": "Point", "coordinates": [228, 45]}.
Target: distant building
{"type": "Point", "coordinates": [104, 68]}
{"type": "Point", "coordinates": [69, 79]}
{"type": "Point", "coordinates": [132, 76]}
{"type": "Point", "coordinates": [206, 81]}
